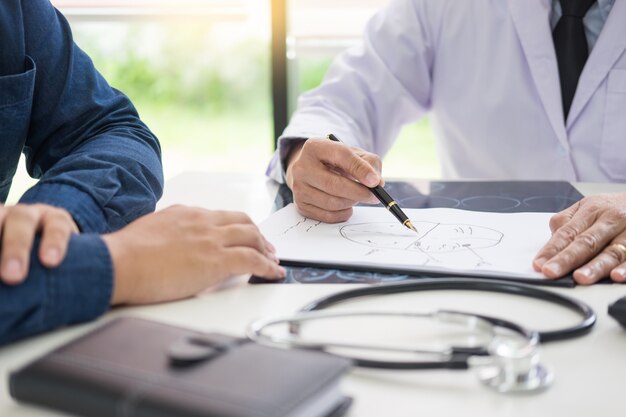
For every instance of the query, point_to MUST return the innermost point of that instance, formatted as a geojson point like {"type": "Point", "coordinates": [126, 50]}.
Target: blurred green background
{"type": "Point", "coordinates": [205, 91]}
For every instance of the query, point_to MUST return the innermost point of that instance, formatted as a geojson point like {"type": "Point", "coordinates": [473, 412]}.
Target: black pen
{"type": "Point", "coordinates": [386, 200]}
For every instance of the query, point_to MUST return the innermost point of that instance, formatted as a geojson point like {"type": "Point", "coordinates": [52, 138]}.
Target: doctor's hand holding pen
{"type": "Point", "coordinates": [328, 178]}
{"type": "Point", "coordinates": [588, 238]}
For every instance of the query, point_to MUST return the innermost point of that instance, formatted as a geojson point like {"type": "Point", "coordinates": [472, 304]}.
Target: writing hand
{"type": "Point", "coordinates": [328, 178]}
{"type": "Point", "coordinates": [588, 238]}
{"type": "Point", "coordinates": [180, 251]}
{"type": "Point", "coordinates": [20, 224]}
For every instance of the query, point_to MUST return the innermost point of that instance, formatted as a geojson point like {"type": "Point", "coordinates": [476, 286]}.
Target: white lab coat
{"type": "Point", "coordinates": [487, 72]}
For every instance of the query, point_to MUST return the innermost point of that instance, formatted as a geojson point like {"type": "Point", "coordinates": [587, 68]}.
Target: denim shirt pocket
{"type": "Point", "coordinates": [613, 152]}
{"type": "Point", "coordinates": [16, 97]}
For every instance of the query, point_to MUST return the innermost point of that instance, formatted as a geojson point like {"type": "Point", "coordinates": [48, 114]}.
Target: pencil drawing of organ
{"type": "Point", "coordinates": [431, 238]}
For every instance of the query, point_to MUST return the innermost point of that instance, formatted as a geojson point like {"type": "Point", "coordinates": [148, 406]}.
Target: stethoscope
{"type": "Point", "coordinates": [508, 362]}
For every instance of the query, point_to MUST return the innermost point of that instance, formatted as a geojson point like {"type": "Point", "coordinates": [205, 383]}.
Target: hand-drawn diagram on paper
{"type": "Point", "coordinates": [435, 240]}
{"type": "Point", "coordinates": [447, 239]}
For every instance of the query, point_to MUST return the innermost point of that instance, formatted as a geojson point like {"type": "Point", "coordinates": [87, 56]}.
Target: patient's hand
{"type": "Point", "coordinates": [20, 224]}
{"type": "Point", "coordinates": [588, 238]}
{"type": "Point", "coordinates": [180, 251]}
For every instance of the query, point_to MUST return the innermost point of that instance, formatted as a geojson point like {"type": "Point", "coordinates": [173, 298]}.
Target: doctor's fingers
{"type": "Point", "coordinates": [371, 158]}
{"type": "Point", "coordinates": [581, 249]}
{"type": "Point", "coordinates": [563, 236]}
{"type": "Point", "coordinates": [344, 158]}
{"type": "Point", "coordinates": [618, 274]}
{"type": "Point", "coordinates": [337, 185]}
{"type": "Point", "coordinates": [611, 206]}
{"type": "Point", "coordinates": [375, 161]}
{"type": "Point", "coordinates": [610, 262]}
{"type": "Point", "coordinates": [314, 212]}
{"type": "Point", "coordinates": [305, 193]}
{"type": "Point", "coordinates": [243, 260]}
{"type": "Point", "coordinates": [560, 219]}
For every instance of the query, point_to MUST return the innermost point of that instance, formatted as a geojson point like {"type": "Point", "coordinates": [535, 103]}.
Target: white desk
{"type": "Point", "coordinates": [590, 372]}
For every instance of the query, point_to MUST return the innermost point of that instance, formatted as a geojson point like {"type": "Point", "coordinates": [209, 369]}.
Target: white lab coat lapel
{"type": "Point", "coordinates": [532, 22]}
{"type": "Point", "coordinates": [609, 47]}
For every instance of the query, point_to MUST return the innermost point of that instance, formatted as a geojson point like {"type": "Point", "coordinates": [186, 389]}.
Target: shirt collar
{"type": "Point", "coordinates": [605, 7]}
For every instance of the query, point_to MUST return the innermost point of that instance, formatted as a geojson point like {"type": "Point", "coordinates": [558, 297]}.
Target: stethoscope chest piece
{"type": "Point", "coordinates": [513, 369]}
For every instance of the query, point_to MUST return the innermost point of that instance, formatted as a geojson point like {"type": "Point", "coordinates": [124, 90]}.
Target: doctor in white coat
{"type": "Point", "coordinates": [513, 94]}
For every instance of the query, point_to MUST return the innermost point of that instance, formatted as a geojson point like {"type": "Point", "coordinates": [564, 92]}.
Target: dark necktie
{"type": "Point", "coordinates": [570, 44]}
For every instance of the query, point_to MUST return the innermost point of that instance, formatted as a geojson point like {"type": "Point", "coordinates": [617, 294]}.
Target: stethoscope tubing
{"type": "Point", "coordinates": [458, 358]}
{"type": "Point", "coordinates": [475, 284]}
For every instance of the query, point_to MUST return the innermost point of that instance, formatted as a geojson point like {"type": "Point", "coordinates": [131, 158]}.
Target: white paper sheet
{"type": "Point", "coordinates": [448, 241]}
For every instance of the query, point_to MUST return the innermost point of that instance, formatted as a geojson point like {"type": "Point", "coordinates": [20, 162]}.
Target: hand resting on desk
{"type": "Point", "coordinates": [588, 238]}
{"type": "Point", "coordinates": [180, 251]}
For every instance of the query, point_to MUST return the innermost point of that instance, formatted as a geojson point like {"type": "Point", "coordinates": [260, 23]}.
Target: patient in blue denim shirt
{"type": "Point", "coordinates": [99, 169]}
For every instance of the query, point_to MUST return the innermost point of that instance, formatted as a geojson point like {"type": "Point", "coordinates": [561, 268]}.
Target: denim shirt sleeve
{"type": "Point", "coordinates": [93, 155]}
{"type": "Point", "coordinates": [78, 290]}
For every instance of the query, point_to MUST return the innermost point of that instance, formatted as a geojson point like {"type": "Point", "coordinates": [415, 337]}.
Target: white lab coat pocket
{"type": "Point", "coordinates": [613, 154]}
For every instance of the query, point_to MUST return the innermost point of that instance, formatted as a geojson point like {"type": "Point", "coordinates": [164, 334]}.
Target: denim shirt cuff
{"type": "Point", "coordinates": [78, 290]}
{"type": "Point", "coordinates": [87, 214]}
{"type": "Point", "coordinates": [81, 288]}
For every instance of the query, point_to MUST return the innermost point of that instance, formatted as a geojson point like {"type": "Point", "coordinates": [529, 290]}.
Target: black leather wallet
{"type": "Point", "coordinates": [134, 367]}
